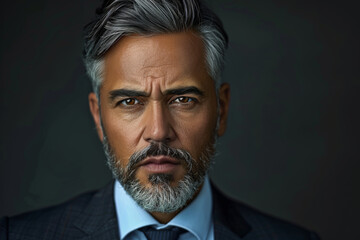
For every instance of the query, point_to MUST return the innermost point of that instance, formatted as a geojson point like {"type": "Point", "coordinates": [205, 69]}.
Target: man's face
{"type": "Point", "coordinates": [156, 89]}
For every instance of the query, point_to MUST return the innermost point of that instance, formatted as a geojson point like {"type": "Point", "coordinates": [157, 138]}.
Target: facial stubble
{"type": "Point", "coordinates": [161, 196]}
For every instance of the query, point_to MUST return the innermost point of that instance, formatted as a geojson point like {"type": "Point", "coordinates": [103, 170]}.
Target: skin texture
{"type": "Point", "coordinates": [151, 67]}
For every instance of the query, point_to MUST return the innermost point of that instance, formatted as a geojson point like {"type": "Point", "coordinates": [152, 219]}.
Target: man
{"type": "Point", "coordinates": [158, 107]}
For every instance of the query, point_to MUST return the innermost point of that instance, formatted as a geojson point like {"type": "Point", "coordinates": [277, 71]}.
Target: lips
{"type": "Point", "coordinates": [160, 164]}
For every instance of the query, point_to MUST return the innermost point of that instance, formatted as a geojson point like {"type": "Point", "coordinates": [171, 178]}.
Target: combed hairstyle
{"type": "Point", "coordinates": [118, 18]}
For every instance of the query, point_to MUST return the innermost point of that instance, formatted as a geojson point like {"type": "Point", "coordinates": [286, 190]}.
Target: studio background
{"type": "Point", "coordinates": [291, 147]}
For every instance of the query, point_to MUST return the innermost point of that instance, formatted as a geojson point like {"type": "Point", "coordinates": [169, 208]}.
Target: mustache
{"type": "Point", "coordinates": [157, 149]}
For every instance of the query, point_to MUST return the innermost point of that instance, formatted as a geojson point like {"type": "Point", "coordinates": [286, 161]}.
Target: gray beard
{"type": "Point", "coordinates": [161, 196]}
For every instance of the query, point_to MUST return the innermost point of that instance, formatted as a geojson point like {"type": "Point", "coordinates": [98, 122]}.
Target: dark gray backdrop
{"type": "Point", "coordinates": [291, 148]}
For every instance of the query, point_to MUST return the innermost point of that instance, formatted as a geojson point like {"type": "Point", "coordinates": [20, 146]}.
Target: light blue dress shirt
{"type": "Point", "coordinates": [196, 218]}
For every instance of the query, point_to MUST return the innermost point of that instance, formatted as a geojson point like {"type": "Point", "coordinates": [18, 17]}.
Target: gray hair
{"type": "Point", "coordinates": [119, 18]}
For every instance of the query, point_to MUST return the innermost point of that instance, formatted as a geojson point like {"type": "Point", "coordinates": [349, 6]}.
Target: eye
{"type": "Point", "coordinates": [129, 102]}
{"type": "Point", "coordinates": [183, 99]}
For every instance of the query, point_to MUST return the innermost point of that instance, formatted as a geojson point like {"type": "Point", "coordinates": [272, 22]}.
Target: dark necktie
{"type": "Point", "coordinates": [171, 233]}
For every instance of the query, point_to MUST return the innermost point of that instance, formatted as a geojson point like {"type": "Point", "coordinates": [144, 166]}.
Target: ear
{"type": "Point", "coordinates": [95, 112]}
{"type": "Point", "coordinates": [224, 101]}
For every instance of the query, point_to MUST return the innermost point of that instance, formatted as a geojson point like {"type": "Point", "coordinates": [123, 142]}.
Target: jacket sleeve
{"type": "Point", "coordinates": [4, 222]}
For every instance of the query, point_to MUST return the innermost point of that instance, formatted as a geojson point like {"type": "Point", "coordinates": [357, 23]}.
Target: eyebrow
{"type": "Point", "coordinates": [134, 93]}
{"type": "Point", "coordinates": [126, 93]}
{"type": "Point", "coordinates": [184, 90]}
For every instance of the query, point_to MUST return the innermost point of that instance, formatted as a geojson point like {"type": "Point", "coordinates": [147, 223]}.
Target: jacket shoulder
{"type": "Point", "coordinates": [269, 227]}
{"type": "Point", "coordinates": [251, 223]}
{"type": "Point", "coordinates": [47, 223]}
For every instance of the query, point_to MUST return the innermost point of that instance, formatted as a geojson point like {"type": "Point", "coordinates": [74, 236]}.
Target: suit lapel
{"type": "Point", "coordinates": [223, 232]}
{"type": "Point", "coordinates": [228, 222]}
{"type": "Point", "coordinates": [98, 220]}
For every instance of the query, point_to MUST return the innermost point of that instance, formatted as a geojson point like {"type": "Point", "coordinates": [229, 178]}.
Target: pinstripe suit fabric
{"type": "Point", "coordinates": [92, 216]}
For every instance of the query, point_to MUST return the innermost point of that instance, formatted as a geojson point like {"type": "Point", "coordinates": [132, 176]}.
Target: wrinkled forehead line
{"type": "Point", "coordinates": [190, 43]}
{"type": "Point", "coordinates": [188, 39]}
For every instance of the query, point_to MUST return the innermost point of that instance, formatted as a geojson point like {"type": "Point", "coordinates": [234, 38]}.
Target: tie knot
{"type": "Point", "coordinates": [171, 233]}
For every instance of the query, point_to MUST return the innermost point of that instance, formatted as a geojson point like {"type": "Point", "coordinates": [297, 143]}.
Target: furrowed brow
{"type": "Point", "coordinates": [184, 90]}
{"type": "Point", "coordinates": [126, 93]}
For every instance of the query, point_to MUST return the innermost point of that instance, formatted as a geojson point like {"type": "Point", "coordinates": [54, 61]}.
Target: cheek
{"type": "Point", "coordinates": [196, 133]}
{"type": "Point", "coordinates": [122, 135]}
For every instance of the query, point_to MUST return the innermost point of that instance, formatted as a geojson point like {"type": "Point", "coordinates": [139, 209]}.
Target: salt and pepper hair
{"type": "Point", "coordinates": [119, 18]}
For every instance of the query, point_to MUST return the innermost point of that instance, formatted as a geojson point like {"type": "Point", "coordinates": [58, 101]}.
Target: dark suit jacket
{"type": "Point", "coordinates": [92, 216]}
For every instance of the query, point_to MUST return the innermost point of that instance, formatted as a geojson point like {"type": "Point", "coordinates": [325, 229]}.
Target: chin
{"type": "Point", "coordinates": [162, 193]}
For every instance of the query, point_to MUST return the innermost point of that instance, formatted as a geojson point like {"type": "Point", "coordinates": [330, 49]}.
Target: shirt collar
{"type": "Point", "coordinates": [195, 218]}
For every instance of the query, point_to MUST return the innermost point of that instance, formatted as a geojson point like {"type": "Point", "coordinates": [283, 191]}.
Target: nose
{"type": "Point", "coordinates": [158, 124]}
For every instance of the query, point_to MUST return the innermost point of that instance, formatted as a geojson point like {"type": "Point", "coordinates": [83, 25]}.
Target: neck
{"type": "Point", "coordinates": [164, 218]}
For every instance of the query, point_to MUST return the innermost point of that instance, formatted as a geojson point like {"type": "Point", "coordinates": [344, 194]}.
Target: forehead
{"type": "Point", "coordinates": [172, 57]}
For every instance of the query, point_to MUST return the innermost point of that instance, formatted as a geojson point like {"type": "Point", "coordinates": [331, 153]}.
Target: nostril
{"type": "Point", "coordinates": [159, 136]}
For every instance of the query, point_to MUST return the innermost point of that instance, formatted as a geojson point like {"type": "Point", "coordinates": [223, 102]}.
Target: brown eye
{"type": "Point", "coordinates": [183, 100]}
{"type": "Point", "coordinates": [129, 101]}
